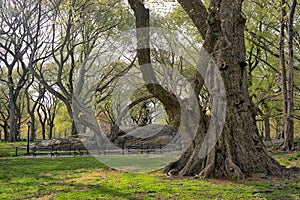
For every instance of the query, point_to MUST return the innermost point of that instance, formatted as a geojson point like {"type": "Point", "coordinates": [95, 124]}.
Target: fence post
{"type": "Point", "coordinates": [160, 148]}
{"type": "Point", "coordinates": [34, 151]}
{"type": "Point", "coordinates": [52, 151]}
{"type": "Point", "coordinates": [16, 151]}
{"type": "Point", "coordinates": [98, 149]}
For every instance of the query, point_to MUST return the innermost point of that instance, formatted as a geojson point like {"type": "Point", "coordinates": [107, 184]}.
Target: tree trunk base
{"type": "Point", "coordinates": [227, 160]}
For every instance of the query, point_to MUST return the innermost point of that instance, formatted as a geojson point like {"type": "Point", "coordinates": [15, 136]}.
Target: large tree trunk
{"type": "Point", "coordinates": [240, 150]}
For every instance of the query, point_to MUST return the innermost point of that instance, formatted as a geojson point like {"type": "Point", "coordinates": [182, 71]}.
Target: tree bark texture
{"type": "Point", "coordinates": [289, 123]}
{"type": "Point", "coordinates": [169, 100]}
{"type": "Point", "coordinates": [282, 65]}
{"type": "Point", "coordinates": [267, 128]}
{"type": "Point", "coordinates": [240, 150]}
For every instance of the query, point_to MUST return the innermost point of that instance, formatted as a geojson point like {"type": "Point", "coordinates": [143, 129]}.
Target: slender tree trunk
{"type": "Point", "coordinates": [5, 130]}
{"type": "Point", "coordinates": [32, 129]}
{"type": "Point", "coordinates": [43, 131]}
{"type": "Point", "coordinates": [51, 128]}
{"type": "Point", "coordinates": [70, 111]}
{"type": "Point", "coordinates": [12, 117]}
{"type": "Point", "coordinates": [51, 122]}
{"type": "Point", "coordinates": [282, 64]}
{"type": "Point", "coordinates": [289, 123]}
{"type": "Point", "coordinates": [12, 108]}
{"type": "Point", "coordinates": [73, 129]}
{"type": "Point", "coordinates": [31, 109]}
{"type": "Point", "coordinates": [267, 127]}
{"type": "Point", "coordinates": [32, 117]}
{"type": "Point", "coordinates": [278, 127]}
{"type": "Point", "coordinates": [42, 119]}
{"type": "Point", "coordinates": [18, 125]}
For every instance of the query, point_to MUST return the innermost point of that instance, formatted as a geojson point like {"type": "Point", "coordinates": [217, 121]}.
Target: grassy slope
{"type": "Point", "coordinates": [87, 178]}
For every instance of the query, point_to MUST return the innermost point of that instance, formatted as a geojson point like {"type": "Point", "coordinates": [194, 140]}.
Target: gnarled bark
{"type": "Point", "coordinates": [239, 150]}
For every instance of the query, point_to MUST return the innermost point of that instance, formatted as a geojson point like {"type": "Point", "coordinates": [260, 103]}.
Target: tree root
{"type": "Point", "coordinates": [232, 170]}
{"type": "Point", "coordinates": [209, 170]}
{"type": "Point", "coordinates": [292, 173]}
{"type": "Point", "coordinates": [285, 147]}
{"type": "Point", "coordinates": [170, 169]}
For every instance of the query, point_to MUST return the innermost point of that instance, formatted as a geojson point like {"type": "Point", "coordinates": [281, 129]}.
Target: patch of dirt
{"type": "Point", "coordinates": [47, 197]}
{"type": "Point", "coordinates": [222, 181]}
{"type": "Point", "coordinates": [214, 181]}
{"type": "Point", "coordinates": [93, 175]}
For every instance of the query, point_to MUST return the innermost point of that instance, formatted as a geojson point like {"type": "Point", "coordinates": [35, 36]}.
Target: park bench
{"type": "Point", "coordinates": [43, 151]}
{"type": "Point", "coordinates": [59, 150]}
{"type": "Point", "coordinates": [141, 148]}
{"type": "Point", "coordinates": [70, 150]}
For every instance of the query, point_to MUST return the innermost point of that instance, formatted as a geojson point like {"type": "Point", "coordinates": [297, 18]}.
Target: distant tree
{"type": "Point", "coordinates": [4, 112]}
{"type": "Point", "coordinates": [268, 63]}
{"type": "Point", "coordinates": [282, 56]}
{"type": "Point", "coordinates": [48, 107]}
{"type": "Point", "coordinates": [289, 123]}
{"type": "Point", "coordinates": [77, 27]}
{"type": "Point", "coordinates": [21, 47]}
{"type": "Point", "coordinates": [32, 101]}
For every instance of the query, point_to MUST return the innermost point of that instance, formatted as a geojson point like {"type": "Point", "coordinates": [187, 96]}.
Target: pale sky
{"type": "Point", "coordinates": [161, 7]}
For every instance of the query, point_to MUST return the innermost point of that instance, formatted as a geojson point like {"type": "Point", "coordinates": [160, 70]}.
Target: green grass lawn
{"type": "Point", "coordinates": [87, 178]}
{"type": "Point", "coordinates": [137, 163]}
{"type": "Point", "coordinates": [9, 148]}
